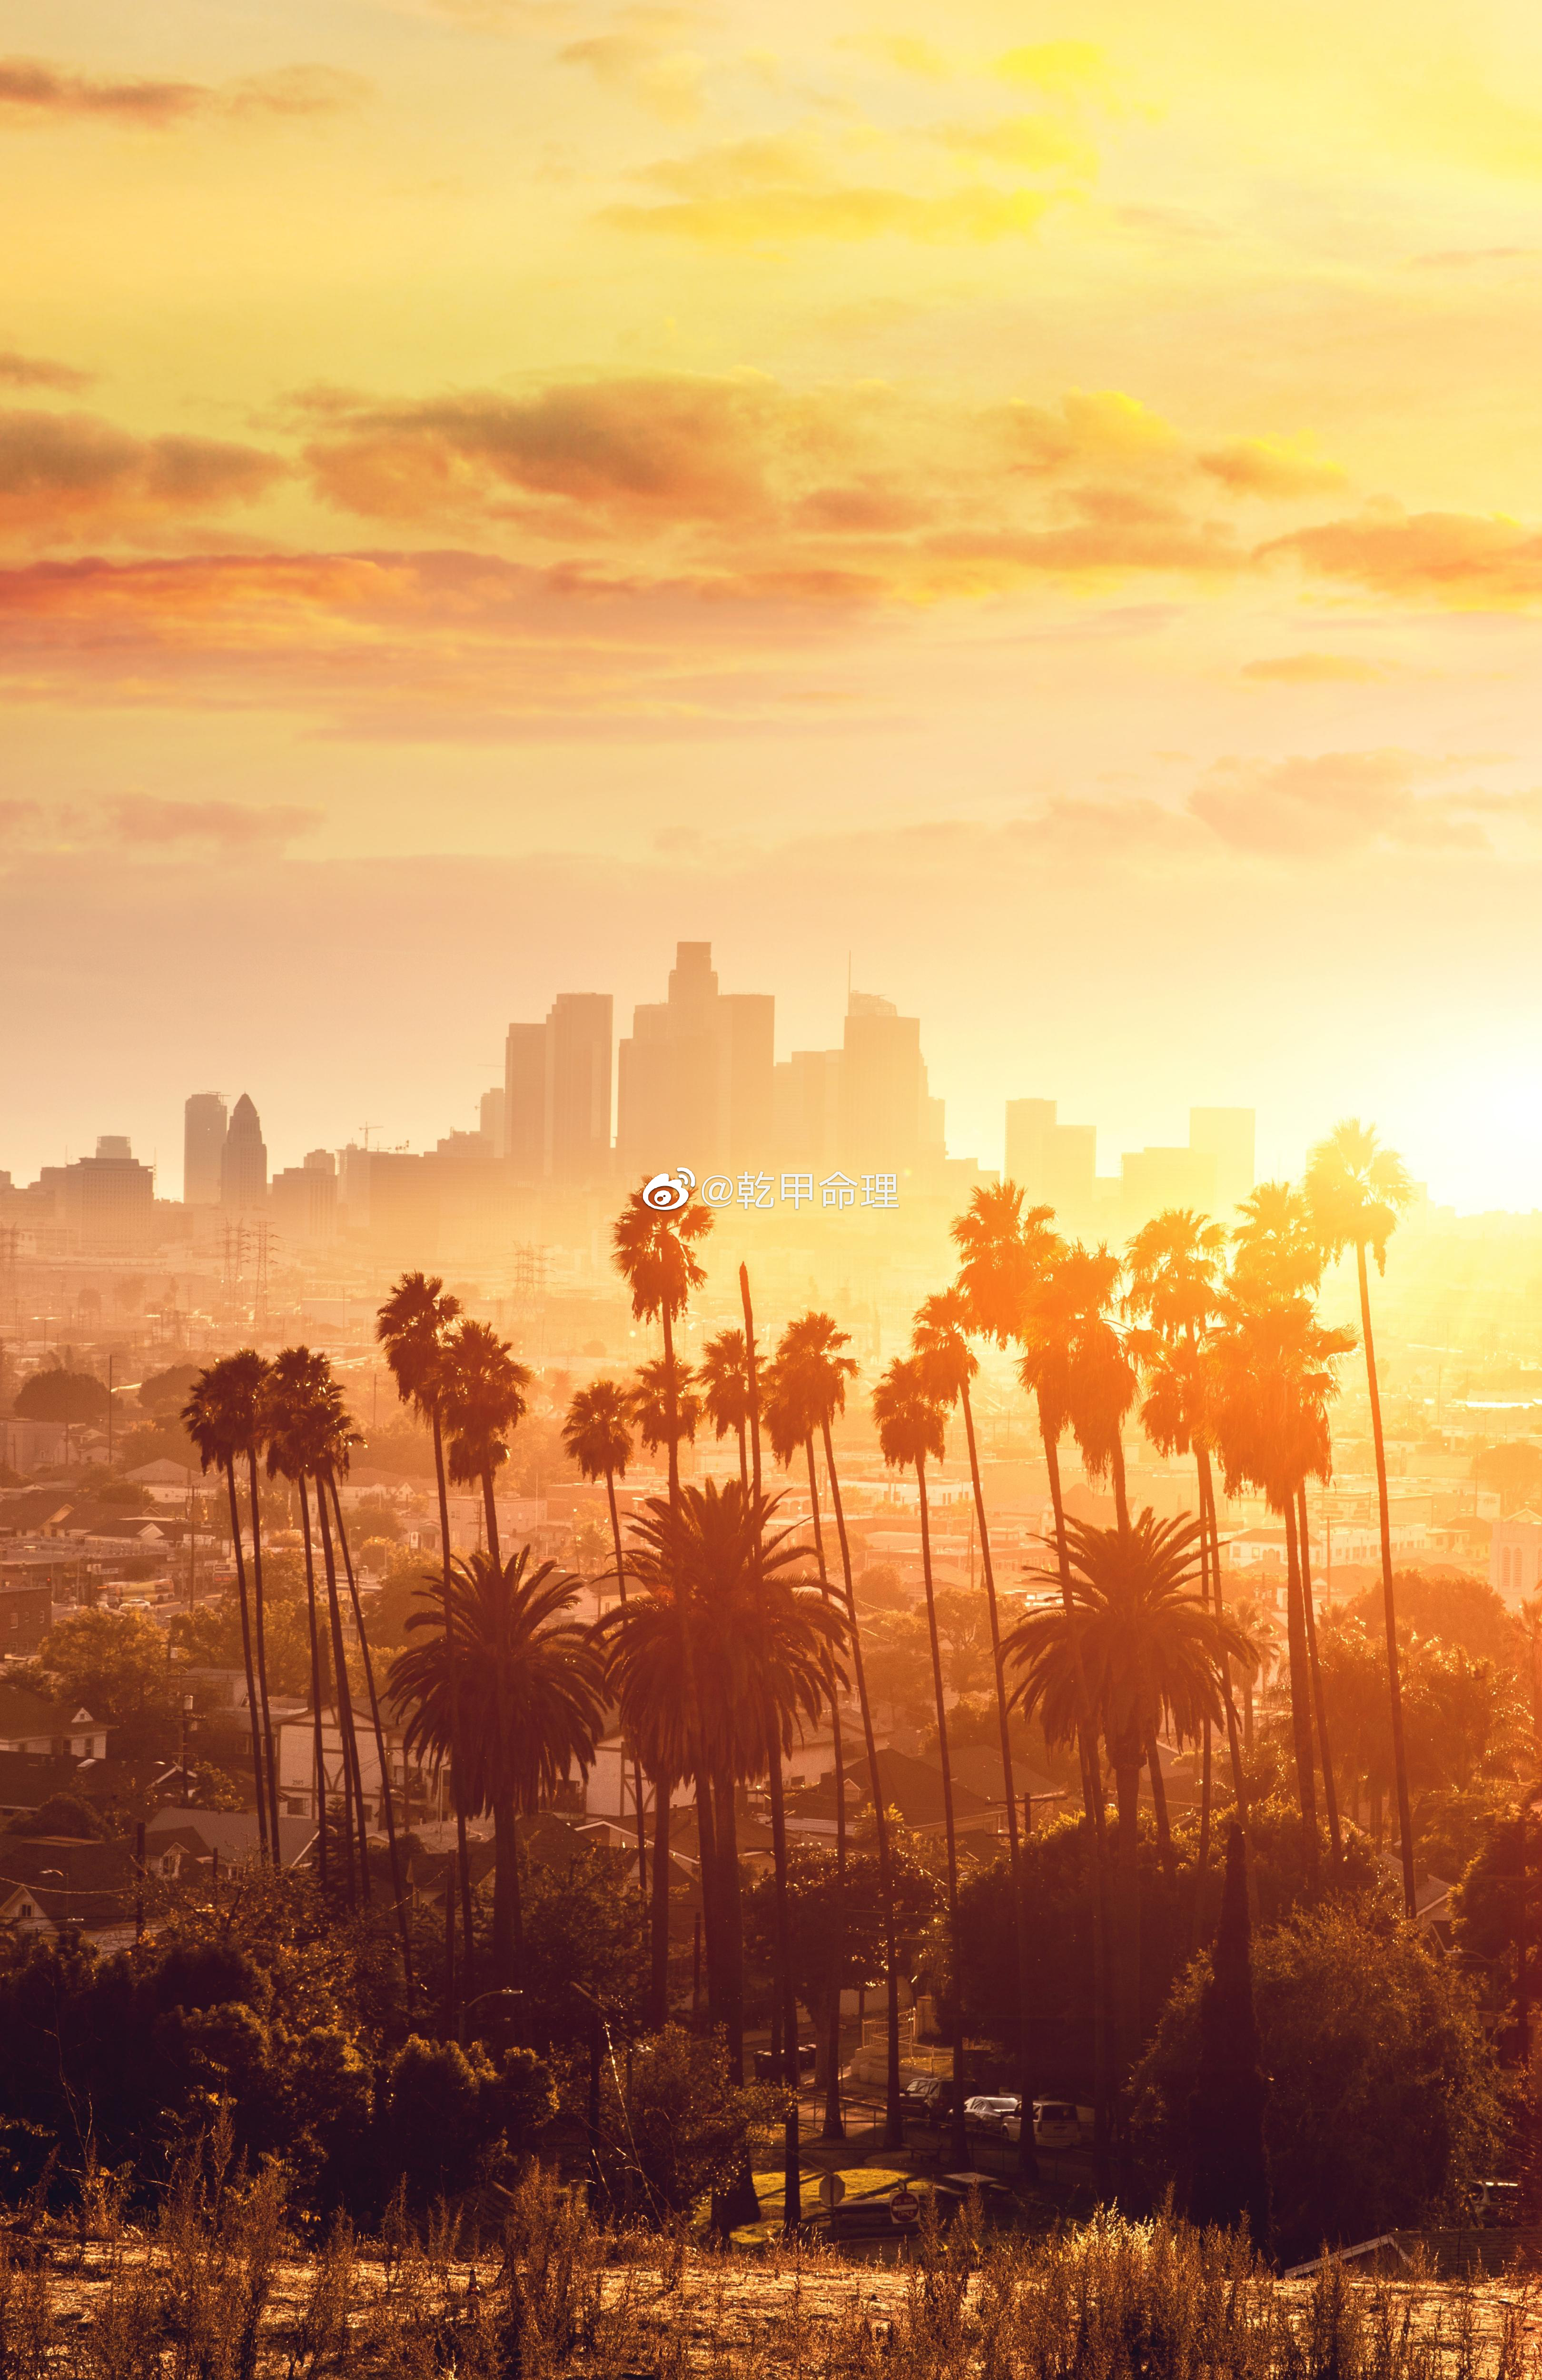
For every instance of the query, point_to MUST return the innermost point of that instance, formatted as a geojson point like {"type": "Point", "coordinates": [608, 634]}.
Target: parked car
{"type": "Point", "coordinates": [771, 2066]}
{"type": "Point", "coordinates": [1056, 2125]}
{"type": "Point", "coordinates": [989, 2112]}
{"type": "Point", "coordinates": [929, 2100]}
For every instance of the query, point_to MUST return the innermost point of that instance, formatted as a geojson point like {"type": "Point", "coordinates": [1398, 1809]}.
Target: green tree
{"type": "Point", "coordinates": [111, 1663]}
{"type": "Point", "coordinates": [1355, 1190]}
{"type": "Point", "coordinates": [1385, 2100]}
{"type": "Point", "coordinates": [531, 1710]}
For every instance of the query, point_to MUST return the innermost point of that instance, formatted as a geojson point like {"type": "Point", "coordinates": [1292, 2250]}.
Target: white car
{"type": "Point", "coordinates": [1056, 2124]}
{"type": "Point", "coordinates": [991, 2112]}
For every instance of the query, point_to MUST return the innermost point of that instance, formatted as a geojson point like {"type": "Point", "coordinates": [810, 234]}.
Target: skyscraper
{"type": "Point", "coordinates": [1054, 1164]}
{"type": "Point", "coordinates": [1227, 1134]}
{"type": "Point", "coordinates": [203, 1130]}
{"type": "Point", "coordinates": [556, 1108]}
{"type": "Point", "coordinates": [243, 1160]}
{"type": "Point", "coordinates": [888, 1117]}
{"type": "Point", "coordinates": [696, 1074]}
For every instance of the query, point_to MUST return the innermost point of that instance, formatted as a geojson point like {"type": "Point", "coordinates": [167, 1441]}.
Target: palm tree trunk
{"type": "Point", "coordinates": [353, 1780]}
{"type": "Point", "coordinates": [318, 1740]}
{"type": "Point", "coordinates": [671, 1409]}
{"type": "Point", "coordinates": [636, 1765]}
{"type": "Point", "coordinates": [382, 1750]}
{"type": "Point", "coordinates": [834, 2123]}
{"type": "Point", "coordinates": [1121, 1492]}
{"type": "Point", "coordinates": [725, 1827]}
{"type": "Point", "coordinates": [1329, 1789]}
{"type": "Point", "coordinates": [791, 2204]}
{"type": "Point", "coordinates": [490, 1506]}
{"type": "Point", "coordinates": [1092, 1788]}
{"type": "Point", "coordinates": [1027, 2159]}
{"type": "Point", "coordinates": [960, 2136]}
{"type": "Point", "coordinates": [659, 1922]}
{"type": "Point", "coordinates": [507, 1915]}
{"type": "Point", "coordinates": [1233, 1744]}
{"type": "Point", "coordinates": [1158, 1801]}
{"type": "Point", "coordinates": [258, 1615]}
{"type": "Point", "coordinates": [1388, 1599]}
{"type": "Point", "coordinates": [457, 1773]}
{"type": "Point", "coordinates": [259, 1781]}
{"type": "Point", "coordinates": [1126, 1759]}
{"type": "Point", "coordinates": [1300, 1707]}
{"type": "Point", "coordinates": [1202, 1858]}
{"type": "Point", "coordinates": [893, 2120]}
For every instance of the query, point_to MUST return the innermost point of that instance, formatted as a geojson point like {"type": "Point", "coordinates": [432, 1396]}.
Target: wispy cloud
{"type": "Point", "coordinates": [141, 824]}
{"type": "Point", "coordinates": [38, 91]}
{"type": "Point", "coordinates": [18, 371]}
{"type": "Point", "coordinates": [62, 474]}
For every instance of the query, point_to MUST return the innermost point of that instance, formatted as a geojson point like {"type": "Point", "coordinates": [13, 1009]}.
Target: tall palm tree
{"type": "Point", "coordinates": [654, 1253]}
{"type": "Point", "coordinates": [1277, 1258]}
{"type": "Point", "coordinates": [382, 1755]}
{"type": "Point", "coordinates": [219, 1417]}
{"type": "Point", "coordinates": [1143, 1647]}
{"type": "Point", "coordinates": [412, 1327]}
{"type": "Point", "coordinates": [723, 1376]}
{"type": "Point", "coordinates": [1273, 1379]}
{"type": "Point", "coordinates": [949, 1363]}
{"type": "Point", "coordinates": [1103, 1384]}
{"type": "Point", "coordinates": [725, 1631]}
{"type": "Point", "coordinates": [294, 1423]}
{"type": "Point", "coordinates": [789, 1427]}
{"type": "Point", "coordinates": [663, 1405]}
{"type": "Point", "coordinates": [1173, 1266]}
{"type": "Point", "coordinates": [908, 1415]}
{"type": "Point", "coordinates": [812, 1374]}
{"type": "Point", "coordinates": [335, 1435]}
{"type": "Point", "coordinates": [531, 1690]}
{"type": "Point", "coordinates": [483, 1396]}
{"type": "Point", "coordinates": [1355, 1190]}
{"type": "Point", "coordinates": [597, 1438]}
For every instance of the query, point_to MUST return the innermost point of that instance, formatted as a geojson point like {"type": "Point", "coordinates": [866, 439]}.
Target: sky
{"type": "Point", "coordinates": [1037, 506]}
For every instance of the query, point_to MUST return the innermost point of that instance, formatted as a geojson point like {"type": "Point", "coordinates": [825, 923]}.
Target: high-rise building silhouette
{"type": "Point", "coordinates": [303, 1199]}
{"type": "Point", "coordinates": [243, 1160]}
{"type": "Point", "coordinates": [490, 1117]}
{"type": "Point", "coordinates": [203, 1130]}
{"type": "Point", "coordinates": [106, 1202]}
{"type": "Point", "coordinates": [1227, 1134]}
{"type": "Point", "coordinates": [696, 1076]}
{"type": "Point", "coordinates": [1054, 1164]}
{"type": "Point", "coordinates": [556, 1105]}
{"type": "Point", "coordinates": [888, 1117]}
{"type": "Point", "coordinates": [1154, 1180]}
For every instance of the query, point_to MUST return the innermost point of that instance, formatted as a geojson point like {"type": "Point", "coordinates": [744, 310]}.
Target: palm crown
{"type": "Point", "coordinates": [595, 1433]}
{"type": "Point", "coordinates": [942, 1348]}
{"type": "Point", "coordinates": [220, 1415]}
{"type": "Point", "coordinates": [1001, 1248]}
{"type": "Point", "coordinates": [411, 1327]}
{"type": "Point", "coordinates": [482, 1394]}
{"type": "Point", "coordinates": [723, 1376]}
{"type": "Point", "coordinates": [653, 1252]}
{"type": "Point", "coordinates": [1355, 1190]}
{"type": "Point", "coordinates": [908, 1415]}
{"type": "Point", "coordinates": [650, 1403]}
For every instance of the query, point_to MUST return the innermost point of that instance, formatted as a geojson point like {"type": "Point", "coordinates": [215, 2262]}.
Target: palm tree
{"type": "Point", "coordinates": [725, 1651]}
{"type": "Point", "coordinates": [596, 1437]}
{"type": "Point", "coordinates": [530, 1690]}
{"type": "Point", "coordinates": [1355, 1190]}
{"type": "Point", "coordinates": [1273, 1379]}
{"type": "Point", "coordinates": [219, 1417]}
{"type": "Point", "coordinates": [483, 1396]}
{"type": "Point", "coordinates": [950, 1364]}
{"type": "Point", "coordinates": [1277, 1258]}
{"type": "Point", "coordinates": [813, 1373]}
{"type": "Point", "coordinates": [294, 1423]}
{"type": "Point", "coordinates": [653, 1251]}
{"type": "Point", "coordinates": [1102, 1381]}
{"type": "Point", "coordinates": [1174, 1264]}
{"type": "Point", "coordinates": [665, 1407]}
{"type": "Point", "coordinates": [412, 1327]}
{"type": "Point", "coordinates": [908, 1415]}
{"type": "Point", "coordinates": [1143, 1647]}
{"type": "Point", "coordinates": [382, 1757]}
{"type": "Point", "coordinates": [723, 1375]}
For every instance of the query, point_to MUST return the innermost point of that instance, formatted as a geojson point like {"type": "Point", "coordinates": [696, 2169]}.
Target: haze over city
{"type": "Point", "coordinates": [771, 1189]}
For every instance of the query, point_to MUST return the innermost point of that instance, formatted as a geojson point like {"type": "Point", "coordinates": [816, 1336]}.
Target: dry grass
{"type": "Point", "coordinates": [216, 2293]}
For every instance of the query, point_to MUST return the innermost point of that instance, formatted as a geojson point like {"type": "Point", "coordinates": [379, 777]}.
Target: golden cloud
{"type": "Point", "coordinates": [1470, 561]}
{"type": "Point", "coordinates": [36, 90]}
{"type": "Point", "coordinates": [64, 474]}
{"type": "Point", "coordinates": [18, 371]}
{"type": "Point", "coordinates": [1273, 466]}
{"type": "Point", "coordinates": [1336, 802]}
{"type": "Point", "coordinates": [1315, 669]}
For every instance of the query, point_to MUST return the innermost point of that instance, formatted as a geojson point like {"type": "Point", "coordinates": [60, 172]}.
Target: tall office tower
{"type": "Point", "coordinates": [886, 1119]}
{"type": "Point", "coordinates": [525, 1101]}
{"type": "Point", "coordinates": [579, 1029]}
{"type": "Point", "coordinates": [490, 1118]}
{"type": "Point", "coordinates": [556, 1101]}
{"type": "Point", "coordinates": [697, 1075]}
{"type": "Point", "coordinates": [805, 1106]}
{"type": "Point", "coordinates": [303, 1199]}
{"type": "Point", "coordinates": [1228, 1136]}
{"type": "Point", "coordinates": [203, 1129]}
{"type": "Point", "coordinates": [1053, 1165]}
{"type": "Point", "coordinates": [243, 1160]}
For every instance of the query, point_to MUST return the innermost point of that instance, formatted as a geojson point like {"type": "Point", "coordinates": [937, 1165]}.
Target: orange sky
{"type": "Point", "coordinates": [1043, 500]}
